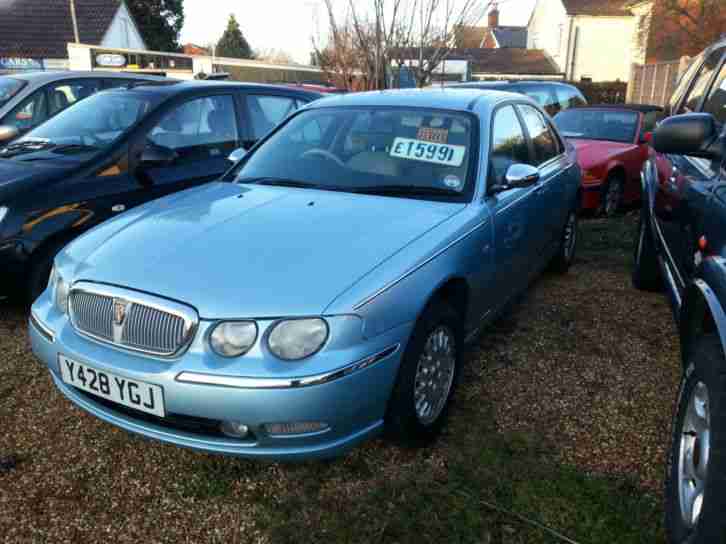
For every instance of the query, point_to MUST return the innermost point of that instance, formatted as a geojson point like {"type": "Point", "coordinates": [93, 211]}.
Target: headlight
{"type": "Point", "coordinates": [296, 339]}
{"type": "Point", "coordinates": [60, 291]}
{"type": "Point", "coordinates": [233, 338]}
{"type": "Point", "coordinates": [3, 212]}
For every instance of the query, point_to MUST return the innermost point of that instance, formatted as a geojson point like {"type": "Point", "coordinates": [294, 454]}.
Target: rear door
{"type": "Point", "coordinates": [202, 131]}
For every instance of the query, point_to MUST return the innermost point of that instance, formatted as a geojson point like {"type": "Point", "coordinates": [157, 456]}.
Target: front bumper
{"type": "Point", "coordinates": [591, 196]}
{"type": "Point", "coordinates": [350, 397]}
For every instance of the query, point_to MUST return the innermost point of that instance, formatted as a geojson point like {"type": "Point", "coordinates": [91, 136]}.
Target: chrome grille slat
{"type": "Point", "coordinates": [150, 325]}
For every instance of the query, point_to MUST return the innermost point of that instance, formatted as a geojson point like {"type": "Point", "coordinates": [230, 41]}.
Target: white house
{"type": "Point", "coordinates": [591, 39]}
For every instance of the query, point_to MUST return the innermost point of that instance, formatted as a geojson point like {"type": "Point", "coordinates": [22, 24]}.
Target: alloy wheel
{"type": "Point", "coordinates": [612, 197]}
{"type": "Point", "coordinates": [694, 455]}
{"type": "Point", "coordinates": [435, 374]}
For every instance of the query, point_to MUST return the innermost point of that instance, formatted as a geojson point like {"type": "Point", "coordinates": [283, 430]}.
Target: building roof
{"type": "Point", "coordinates": [469, 37]}
{"type": "Point", "coordinates": [510, 36]}
{"type": "Point", "coordinates": [611, 8]}
{"type": "Point", "coordinates": [513, 61]}
{"type": "Point", "coordinates": [43, 28]}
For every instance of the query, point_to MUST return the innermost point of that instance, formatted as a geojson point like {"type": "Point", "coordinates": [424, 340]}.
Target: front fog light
{"type": "Point", "coordinates": [296, 339]}
{"type": "Point", "coordinates": [233, 338]}
{"type": "Point", "coordinates": [234, 429]}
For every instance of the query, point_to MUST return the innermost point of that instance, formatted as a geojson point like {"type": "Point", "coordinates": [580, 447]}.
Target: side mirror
{"type": "Point", "coordinates": [8, 133]}
{"type": "Point", "coordinates": [237, 155]}
{"type": "Point", "coordinates": [694, 134]}
{"type": "Point", "coordinates": [154, 156]}
{"type": "Point", "coordinates": [518, 176]}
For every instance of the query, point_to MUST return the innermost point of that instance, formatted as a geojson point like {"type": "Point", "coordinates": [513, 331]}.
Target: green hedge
{"type": "Point", "coordinates": [603, 92]}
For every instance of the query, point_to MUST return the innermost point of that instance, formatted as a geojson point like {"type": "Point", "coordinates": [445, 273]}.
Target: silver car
{"type": "Point", "coordinates": [29, 99]}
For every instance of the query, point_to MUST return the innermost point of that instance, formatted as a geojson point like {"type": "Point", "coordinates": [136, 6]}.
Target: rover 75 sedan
{"type": "Point", "coordinates": [323, 291]}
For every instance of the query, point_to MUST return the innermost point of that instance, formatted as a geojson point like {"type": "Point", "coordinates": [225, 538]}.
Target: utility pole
{"type": "Point", "coordinates": [75, 21]}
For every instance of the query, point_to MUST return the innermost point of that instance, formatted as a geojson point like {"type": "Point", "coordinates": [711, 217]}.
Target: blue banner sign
{"type": "Point", "coordinates": [18, 63]}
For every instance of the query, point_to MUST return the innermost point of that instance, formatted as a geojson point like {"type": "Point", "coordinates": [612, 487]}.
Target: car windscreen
{"type": "Point", "coordinates": [417, 153]}
{"type": "Point", "coordinates": [93, 123]}
{"type": "Point", "coordinates": [616, 126]}
{"type": "Point", "coordinates": [9, 87]}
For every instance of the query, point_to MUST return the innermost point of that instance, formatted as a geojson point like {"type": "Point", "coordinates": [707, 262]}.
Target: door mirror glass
{"type": "Point", "coordinates": [237, 155]}
{"type": "Point", "coordinates": [694, 134]}
{"type": "Point", "coordinates": [155, 156]}
{"type": "Point", "coordinates": [518, 176]}
{"type": "Point", "coordinates": [8, 133]}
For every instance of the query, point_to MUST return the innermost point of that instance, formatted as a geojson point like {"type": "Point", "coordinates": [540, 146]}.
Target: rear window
{"type": "Point", "coordinates": [587, 124]}
{"type": "Point", "coordinates": [9, 87]}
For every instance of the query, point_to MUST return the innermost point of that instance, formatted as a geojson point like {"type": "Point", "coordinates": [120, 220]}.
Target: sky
{"type": "Point", "coordinates": [287, 25]}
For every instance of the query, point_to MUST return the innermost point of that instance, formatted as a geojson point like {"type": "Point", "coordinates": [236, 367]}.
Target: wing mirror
{"type": "Point", "coordinates": [155, 156]}
{"type": "Point", "coordinates": [694, 134]}
{"type": "Point", "coordinates": [237, 155]}
{"type": "Point", "coordinates": [518, 176]}
{"type": "Point", "coordinates": [8, 133]}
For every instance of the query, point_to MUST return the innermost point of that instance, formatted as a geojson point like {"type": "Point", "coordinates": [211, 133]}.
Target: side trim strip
{"type": "Point", "coordinates": [423, 263]}
{"type": "Point", "coordinates": [284, 383]}
{"type": "Point", "coordinates": [44, 330]}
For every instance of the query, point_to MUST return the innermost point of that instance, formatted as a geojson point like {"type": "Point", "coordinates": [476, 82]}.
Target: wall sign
{"type": "Point", "coordinates": [110, 60]}
{"type": "Point", "coordinates": [19, 63]}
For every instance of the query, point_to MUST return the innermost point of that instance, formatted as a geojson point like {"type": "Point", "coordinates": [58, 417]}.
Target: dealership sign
{"type": "Point", "coordinates": [18, 63]}
{"type": "Point", "coordinates": [110, 60]}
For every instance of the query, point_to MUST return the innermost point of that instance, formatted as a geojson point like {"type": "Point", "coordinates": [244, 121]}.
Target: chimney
{"type": "Point", "coordinates": [494, 16]}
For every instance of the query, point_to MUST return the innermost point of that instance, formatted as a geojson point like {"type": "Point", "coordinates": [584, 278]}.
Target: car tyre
{"type": "Point", "coordinates": [695, 492]}
{"type": "Point", "coordinates": [611, 199]}
{"type": "Point", "coordinates": [565, 255]}
{"type": "Point", "coordinates": [646, 272]}
{"type": "Point", "coordinates": [427, 378]}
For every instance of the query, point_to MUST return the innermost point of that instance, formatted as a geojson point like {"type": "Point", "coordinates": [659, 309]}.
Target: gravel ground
{"type": "Point", "coordinates": [583, 363]}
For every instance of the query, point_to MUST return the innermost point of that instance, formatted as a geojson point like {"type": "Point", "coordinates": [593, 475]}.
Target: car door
{"type": "Point", "coordinates": [685, 183]}
{"type": "Point", "coordinates": [547, 154]}
{"type": "Point", "coordinates": [200, 132]}
{"type": "Point", "coordinates": [513, 210]}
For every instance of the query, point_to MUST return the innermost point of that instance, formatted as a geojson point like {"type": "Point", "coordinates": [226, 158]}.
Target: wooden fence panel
{"type": "Point", "coordinates": [654, 83]}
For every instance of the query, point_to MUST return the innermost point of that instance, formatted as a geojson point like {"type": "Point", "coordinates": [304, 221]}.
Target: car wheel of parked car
{"type": "Point", "coordinates": [696, 477]}
{"type": "Point", "coordinates": [646, 274]}
{"type": "Point", "coordinates": [612, 196]}
{"type": "Point", "coordinates": [427, 377]}
{"type": "Point", "coordinates": [568, 245]}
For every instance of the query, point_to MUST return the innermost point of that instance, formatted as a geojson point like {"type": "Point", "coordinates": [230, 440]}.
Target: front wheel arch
{"type": "Point", "coordinates": [701, 314]}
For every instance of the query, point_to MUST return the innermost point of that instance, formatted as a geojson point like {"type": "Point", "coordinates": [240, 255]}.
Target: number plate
{"type": "Point", "coordinates": [142, 396]}
{"type": "Point", "coordinates": [420, 150]}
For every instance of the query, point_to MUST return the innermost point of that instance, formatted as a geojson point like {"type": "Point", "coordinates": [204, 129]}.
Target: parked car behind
{"type": "Point", "coordinates": [612, 145]}
{"type": "Point", "coordinates": [553, 96]}
{"type": "Point", "coordinates": [681, 246]}
{"type": "Point", "coordinates": [323, 295]}
{"type": "Point", "coordinates": [28, 100]}
{"type": "Point", "coordinates": [118, 149]}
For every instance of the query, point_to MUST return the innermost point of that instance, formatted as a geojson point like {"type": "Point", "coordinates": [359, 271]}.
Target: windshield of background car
{"type": "Point", "coordinates": [616, 126]}
{"type": "Point", "coordinates": [393, 151]}
{"type": "Point", "coordinates": [95, 122]}
{"type": "Point", "coordinates": [9, 87]}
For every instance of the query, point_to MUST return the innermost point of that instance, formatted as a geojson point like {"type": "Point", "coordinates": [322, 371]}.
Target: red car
{"type": "Point", "coordinates": [318, 88]}
{"type": "Point", "coordinates": [612, 145]}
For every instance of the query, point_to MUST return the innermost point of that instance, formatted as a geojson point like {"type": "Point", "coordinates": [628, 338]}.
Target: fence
{"type": "Point", "coordinates": [654, 83]}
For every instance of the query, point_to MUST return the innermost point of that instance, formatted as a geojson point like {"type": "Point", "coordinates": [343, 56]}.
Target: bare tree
{"type": "Point", "coordinates": [382, 34]}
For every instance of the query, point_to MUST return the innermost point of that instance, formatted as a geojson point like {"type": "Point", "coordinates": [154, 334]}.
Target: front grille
{"type": "Point", "coordinates": [131, 320]}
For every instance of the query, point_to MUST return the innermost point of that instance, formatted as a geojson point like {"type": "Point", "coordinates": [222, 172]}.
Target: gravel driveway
{"type": "Point", "coordinates": [563, 416]}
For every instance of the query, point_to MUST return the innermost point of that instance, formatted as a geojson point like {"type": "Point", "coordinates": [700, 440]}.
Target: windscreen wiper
{"type": "Point", "coordinates": [280, 182]}
{"type": "Point", "coordinates": [405, 190]}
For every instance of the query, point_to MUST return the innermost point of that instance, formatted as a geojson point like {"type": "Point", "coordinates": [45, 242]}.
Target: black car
{"type": "Point", "coordinates": [681, 245]}
{"type": "Point", "coordinates": [553, 96]}
{"type": "Point", "coordinates": [115, 150]}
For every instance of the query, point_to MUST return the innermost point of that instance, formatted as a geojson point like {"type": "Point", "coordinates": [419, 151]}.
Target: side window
{"type": "Point", "coordinates": [117, 83]}
{"type": "Point", "coordinates": [568, 98]}
{"type": "Point", "coordinates": [716, 102]}
{"type": "Point", "coordinates": [700, 85]}
{"type": "Point", "coordinates": [544, 96]}
{"type": "Point", "coordinates": [267, 112]}
{"type": "Point", "coordinates": [30, 113]}
{"type": "Point", "coordinates": [67, 93]}
{"type": "Point", "coordinates": [508, 144]}
{"type": "Point", "coordinates": [543, 139]}
{"type": "Point", "coordinates": [682, 85]}
{"type": "Point", "coordinates": [199, 129]}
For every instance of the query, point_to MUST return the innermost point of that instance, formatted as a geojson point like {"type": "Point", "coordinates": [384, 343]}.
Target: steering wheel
{"type": "Point", "coordinates": [326, 154]}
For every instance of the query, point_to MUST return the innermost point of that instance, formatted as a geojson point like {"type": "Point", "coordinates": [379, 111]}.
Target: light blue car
{"type": "Point", "coordinates": [322, 293]}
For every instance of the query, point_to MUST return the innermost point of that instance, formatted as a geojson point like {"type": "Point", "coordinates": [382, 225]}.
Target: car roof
{"type": "Point", "coordinates": [509, 83]}
{"type": "Point", "coordinates": [642, 108]}
{"type": "Point", "coordinates": [439, 98]}
{"type": "Point", "coordinates": [56, 75]}
{"type": "Point", "coordinates": [172, 87]}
